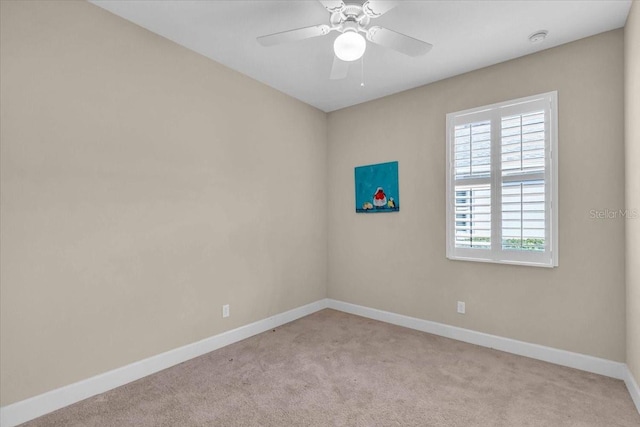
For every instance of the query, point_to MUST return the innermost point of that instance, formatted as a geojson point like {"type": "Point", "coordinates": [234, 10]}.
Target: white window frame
{"type": "Point", "coordinates": [495, 254]}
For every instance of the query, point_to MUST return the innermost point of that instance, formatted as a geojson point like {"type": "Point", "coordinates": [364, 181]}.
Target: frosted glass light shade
{"type": "Point", "coordinates": [349, 46]}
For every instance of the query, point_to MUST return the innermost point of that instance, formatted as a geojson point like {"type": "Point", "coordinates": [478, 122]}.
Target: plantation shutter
{"type": "Point", "coordinates": [473, 185]}
{"type": "Point", "coordinates": [523, 181]}
{"type": "Point", "coordinates": [501, 182]}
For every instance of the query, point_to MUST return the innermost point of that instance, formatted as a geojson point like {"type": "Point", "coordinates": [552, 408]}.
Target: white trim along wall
{"type": "Point", "coordinates": [25, 410]}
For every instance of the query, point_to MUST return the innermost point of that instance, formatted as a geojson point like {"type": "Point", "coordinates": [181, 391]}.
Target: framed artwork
{"type": "Point", "coordinates": [377, 188]}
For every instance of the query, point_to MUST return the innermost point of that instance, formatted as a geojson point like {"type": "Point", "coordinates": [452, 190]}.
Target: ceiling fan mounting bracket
{"type": "Point", "coordinates": [350, 18]}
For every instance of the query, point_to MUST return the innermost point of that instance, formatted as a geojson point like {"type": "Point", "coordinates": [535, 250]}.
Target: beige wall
{"type": "Point", "coordinates": [632, 157]}
{"type": "Point", "coordinates": [396, 262]}
{"type": "Point", "coordinates": [143, 186]}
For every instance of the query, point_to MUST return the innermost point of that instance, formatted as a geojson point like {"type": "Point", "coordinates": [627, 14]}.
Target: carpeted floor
{"type": "Point", "coordinates": [335, 369]}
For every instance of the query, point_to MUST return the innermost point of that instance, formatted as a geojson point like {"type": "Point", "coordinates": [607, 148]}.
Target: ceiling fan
{"type": "Point", "coordinates": [352, 20]}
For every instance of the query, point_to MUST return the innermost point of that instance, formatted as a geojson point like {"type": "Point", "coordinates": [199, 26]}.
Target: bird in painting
{"type": "Point", "coordinates": [379, 198]}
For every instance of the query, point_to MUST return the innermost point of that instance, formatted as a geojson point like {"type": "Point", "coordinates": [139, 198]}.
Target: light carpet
{"type": "Point", "coordinates": [336, 369]}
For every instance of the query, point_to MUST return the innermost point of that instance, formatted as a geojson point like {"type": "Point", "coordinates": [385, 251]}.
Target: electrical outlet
{"type": "Point", "coordinates": [225, 310]}
{"type": "Point", "coordinates": [461, 307]}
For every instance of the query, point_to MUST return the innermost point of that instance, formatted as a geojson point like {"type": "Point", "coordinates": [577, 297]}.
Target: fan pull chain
{"type": "Point", "coordinates": [362, 72]}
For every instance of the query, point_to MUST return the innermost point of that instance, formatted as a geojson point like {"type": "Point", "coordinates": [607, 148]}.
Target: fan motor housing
{"type": "Point", "coordinates": [351, 17]}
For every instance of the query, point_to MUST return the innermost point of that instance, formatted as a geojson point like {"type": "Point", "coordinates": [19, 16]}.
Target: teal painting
{"type": "Point", "coordinates": [377, 188]}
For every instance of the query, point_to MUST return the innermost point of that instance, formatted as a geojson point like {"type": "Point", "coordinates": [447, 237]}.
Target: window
{"type": "Point", "coordinates": [502, 182]}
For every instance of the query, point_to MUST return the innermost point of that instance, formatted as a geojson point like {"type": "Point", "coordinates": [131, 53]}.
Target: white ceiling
{"type": "Point", "coordinates": [466, 35]}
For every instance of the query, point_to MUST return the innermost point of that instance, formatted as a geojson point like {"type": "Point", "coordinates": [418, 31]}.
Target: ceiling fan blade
{"type": "Point", "coordinates": [400, 42]}
{"type": "Point", "coordinates": [339, 69]}
{"type": "Point", "coordinates": [375, 8]}
{"type": "Point", "coordinates": [333, 5]}
{"type": "Point", "coordinates": [294, 35]}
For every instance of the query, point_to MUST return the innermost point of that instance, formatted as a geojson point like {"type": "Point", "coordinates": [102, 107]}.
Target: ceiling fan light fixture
{"type": "Point", "coordinates": [349, 46]}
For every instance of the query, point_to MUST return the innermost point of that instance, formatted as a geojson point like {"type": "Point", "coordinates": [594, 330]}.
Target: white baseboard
{"type": "Point", "coordinates": [583, 362]}
{"type": "Point", "coordinates": [25, 410]}
{"type": "Point", "coordinates": [632, 386]}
